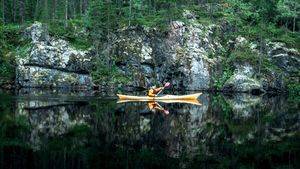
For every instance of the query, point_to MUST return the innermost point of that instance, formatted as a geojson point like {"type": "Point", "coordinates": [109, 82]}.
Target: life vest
{"type": "Point", "coordinates": [151, 93]}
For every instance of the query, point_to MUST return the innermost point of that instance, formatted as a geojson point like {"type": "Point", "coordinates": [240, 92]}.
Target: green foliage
{"type": "Point", "coordinates": [106, 72]}
{"type": "Point", "coordinates": [220, 80]}
{"type": "Point", "coordinates": [12, 126]}
{"type": "Point", "coordinates": [11, 37]}
{"type": "Point", "coordinates": [240, 11]}
{"type": "Point", "coordinates": [294, 89]}
{"type": "Point", "coordinates": [158, 19]}
{"type": "Point", "coordinates": [79, 130]}
{"type": "Point", "coordinates": [103, 18]}
{"type": "Point", "coordinates": [219, 102]}
{"type": "Point", "coordinates": [22, 51]}
{"type": "Point", "coordinates": [257, 19]}
{"type": "Point", "coordinates": [75, 32]}
{"type": "Point", "coordinates": [288, 9]}
{"type": "Point", "coordinates": [9, 40]}
{"type": "Point", "coordinates": [244, 54]}
{"type": "Point", "coordinates": [272, 32]}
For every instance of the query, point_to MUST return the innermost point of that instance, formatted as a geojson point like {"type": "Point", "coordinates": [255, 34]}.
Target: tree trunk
{"type": "Point", "coordinates": [80, 7]}
{"type": "Point", "coordinates": [3, 11]}
{"type": "Point", "coordinates": [108, 19]}
{"type": "Point", "coordinates": [36, 10]}
{"type": "Point", "coordinates": [22, 10]}
{"type": "Point", "coordinates": [130, 11]}
{"type": "Point", "coordinates": [294, 23]}
{"type": "Point", "coordinates": [85, 5]}
{"type": "Point", "coordinates": [14, 10]}
{"type": "Point", "coordinates": [74, 9]}
{"type": "Point", "coordinates": [53, 9]}
{"type": "Point", "coordinates": [66, 13]}
{"type": "Point", "coordinates": [260, 55]}
{"type": "Point", "coordinates": [46, 10]}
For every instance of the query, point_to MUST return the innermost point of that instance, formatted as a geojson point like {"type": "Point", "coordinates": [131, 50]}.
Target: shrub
{"type": "Point", "coordinates": [107, 73]}
{"type": "Point", "coordinates": [73, 33]}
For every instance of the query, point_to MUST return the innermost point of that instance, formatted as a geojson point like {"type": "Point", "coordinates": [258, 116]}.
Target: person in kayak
{"type": "Point", "coordinates": [154, 91]}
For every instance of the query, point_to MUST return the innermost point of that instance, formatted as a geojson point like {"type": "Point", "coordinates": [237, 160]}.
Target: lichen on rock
{"type": "Point", "coordinates": [179, 55]}
{"type": "Point", "coordinates": [243, 80]}
{"type": "Point", "coordinates": [52, 62]}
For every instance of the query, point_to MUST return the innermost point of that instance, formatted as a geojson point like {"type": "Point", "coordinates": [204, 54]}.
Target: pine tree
{"type": "Point", "coordinates": [3, 11]}
{"type": "Point", "coordinates": [22, 10]}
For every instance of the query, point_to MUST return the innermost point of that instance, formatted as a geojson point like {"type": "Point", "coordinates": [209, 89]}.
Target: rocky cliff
{"type": "Point", "coordinates": [190, 55]}
{"type": "Point", "coordinates": [180, 55]}
{"type": "Point", "coordinates": [193, 56]}
{"type": "Point", "coordinates": [52, 62]}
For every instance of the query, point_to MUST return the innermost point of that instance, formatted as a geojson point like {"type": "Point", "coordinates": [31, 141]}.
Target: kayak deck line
{"type": "Point", "coordinates": [166, 97]}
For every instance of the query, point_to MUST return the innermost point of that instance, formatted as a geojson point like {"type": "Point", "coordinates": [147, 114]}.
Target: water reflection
{"type": "Point", "coordinates": [60, 130]}
{"type": "Point", "coordinates": [155, 106]}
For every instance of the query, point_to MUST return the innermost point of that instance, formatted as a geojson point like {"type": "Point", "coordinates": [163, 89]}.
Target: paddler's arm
{"type": "Point", "coordinates": [158, 89]}
{"type": "Point", "coordinates": [158, 106]}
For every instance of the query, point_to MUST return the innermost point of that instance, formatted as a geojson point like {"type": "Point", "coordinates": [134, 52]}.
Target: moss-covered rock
{"type": "Point", "coordinates": [179, 55]}
{"type": "Point", "coordinates": [52, 62]}
{"type": "Point", "coordinates": [243, 80]}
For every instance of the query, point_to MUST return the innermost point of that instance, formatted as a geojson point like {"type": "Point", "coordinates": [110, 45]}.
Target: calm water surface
{"type": "Point", "coordinates": [62, 129]}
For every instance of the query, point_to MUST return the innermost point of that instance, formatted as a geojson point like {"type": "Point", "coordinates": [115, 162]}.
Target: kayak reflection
{"type": "Point", "coordinates": [155, 107]}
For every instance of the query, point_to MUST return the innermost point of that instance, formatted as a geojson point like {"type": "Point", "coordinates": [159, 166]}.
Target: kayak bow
{"type": "Point", "coordinates": [166, 97]}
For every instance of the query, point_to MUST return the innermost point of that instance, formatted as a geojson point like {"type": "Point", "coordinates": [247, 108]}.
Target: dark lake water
{"type": "Point", "coordinates": [63, 129]}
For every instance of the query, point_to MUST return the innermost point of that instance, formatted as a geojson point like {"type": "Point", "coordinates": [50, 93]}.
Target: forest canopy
{"type": "Point", "coordinates": [118, 13]}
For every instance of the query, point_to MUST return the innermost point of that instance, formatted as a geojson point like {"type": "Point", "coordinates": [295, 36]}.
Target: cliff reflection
{"type": "Point", "coordinates": [76, 132]}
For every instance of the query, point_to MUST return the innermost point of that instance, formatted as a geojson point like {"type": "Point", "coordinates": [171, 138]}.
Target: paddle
{"type": "Point", "coordinates": [168, 84]}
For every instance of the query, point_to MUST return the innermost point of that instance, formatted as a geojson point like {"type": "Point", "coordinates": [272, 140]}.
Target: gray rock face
{"type": "Point", "coordinates": [286, 58]}
{"type": "Point", "coordinates": [242, 80]}
{"type": "Point", "coordinates": [151, 57]}
{"type": "Point", "coordinates": [271, 79]}
{"type": "Point", "coordinates": [179, 55]}
{"type": "Point", "coordinates": [274, 82]}
{"type": "Point", "coordinates": [37, 33]}
{"type": "Point", "coordinates": [52, 62]}
{"type": "Point", "coordinates": [182, 56]}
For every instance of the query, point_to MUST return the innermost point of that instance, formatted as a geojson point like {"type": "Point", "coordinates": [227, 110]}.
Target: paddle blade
{"type": "Point", "coordinates": [168, 84]}
{"type": "Point", "coordinates": [166, 112]}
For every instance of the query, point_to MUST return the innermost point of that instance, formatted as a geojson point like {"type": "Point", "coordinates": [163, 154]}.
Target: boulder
{"type": "Point", "coordinates": [40, 77]}
{"type": "Point", "coordinates": [243, 80]}
{"type": "Point", "coordinates": [273, 82]}
{"type": "Point", "coordinates": [288, 59]}
{"type": "Point", "coordinates": [37, 32]}
{"type": "Point", "coordinates": [52, 62]}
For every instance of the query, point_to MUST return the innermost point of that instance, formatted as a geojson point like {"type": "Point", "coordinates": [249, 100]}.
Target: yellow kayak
{"type": "Point", "coordinates": [166, 97]}
{"type": "Point", "coordinates": [194, 101]}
